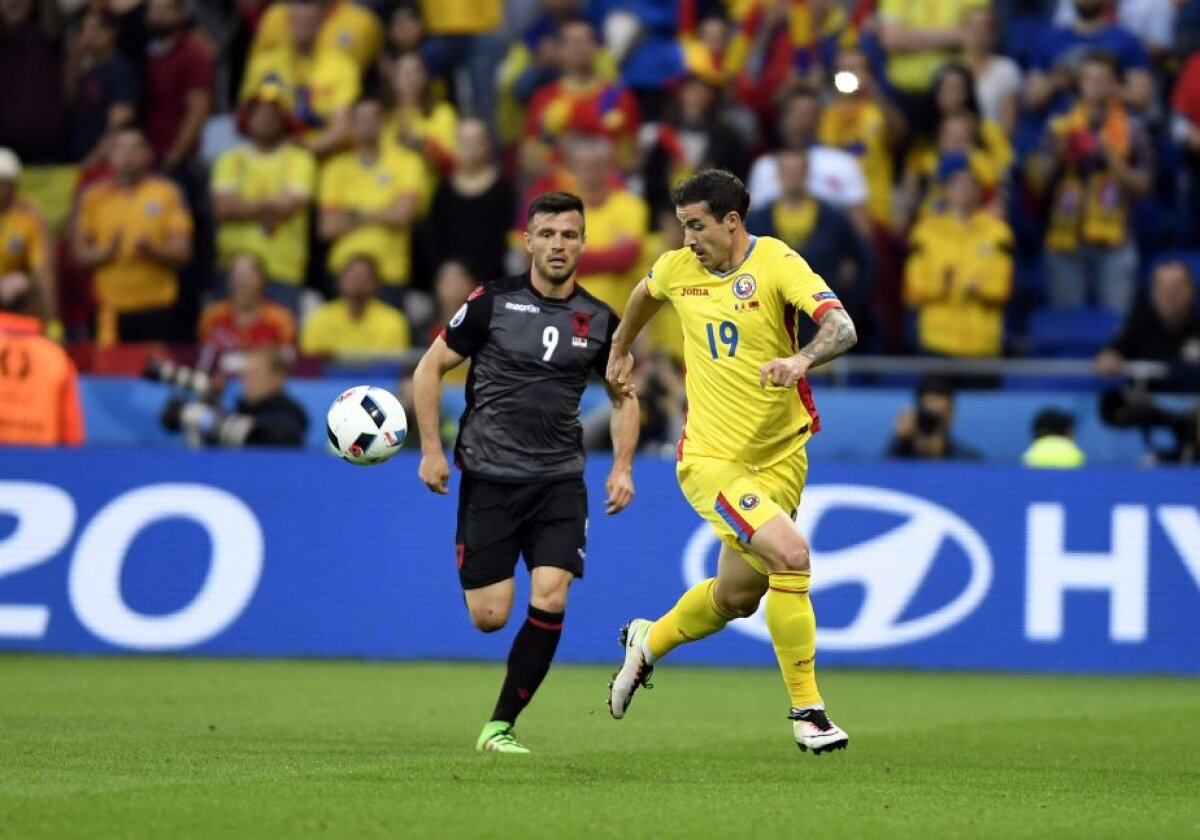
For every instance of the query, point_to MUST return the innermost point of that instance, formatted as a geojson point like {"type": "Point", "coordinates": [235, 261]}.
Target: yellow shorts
{"type": "Point", "coordinates": [737, 499]}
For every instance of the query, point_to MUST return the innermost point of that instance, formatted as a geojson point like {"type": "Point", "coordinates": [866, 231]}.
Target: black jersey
{"type": "Point", "coordinates": [530, 361]}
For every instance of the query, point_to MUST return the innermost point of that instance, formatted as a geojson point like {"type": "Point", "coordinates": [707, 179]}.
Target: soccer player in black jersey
{"type": "Point", "coordinates": [533, 339]}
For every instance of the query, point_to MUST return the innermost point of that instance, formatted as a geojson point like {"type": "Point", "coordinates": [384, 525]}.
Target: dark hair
{"type": "Point", "coordinates": [1102, 57]}
{"type": "Point", "coordinates": [938, 386]}
{"type": "Point", "coordinates": [554, 203]}
{"type": "Point", "coordinates": [1053, 421]}
{"type": "Point", "coordinates": [946, 71]}
{"type": "Point", "coordinates": [273, 356]}
{"type": "Point", "coordinates": [361, 257]}
{"type": "Point", "coordinates": [722, 191]}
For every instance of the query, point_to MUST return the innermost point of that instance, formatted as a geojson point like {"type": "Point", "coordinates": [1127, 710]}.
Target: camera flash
{"type": "Point", "coordinates": [845, 81]}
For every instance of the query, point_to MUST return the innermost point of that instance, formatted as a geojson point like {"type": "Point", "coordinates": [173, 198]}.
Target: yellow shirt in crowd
{"type": "Point", "coordinates": [349, 183]}
{"type": "Point", "coordinates": [320, 84]}
{"type": "Point", "coordinates": [330, 330]}
{"type": "Point", "coordinates": [860, 128]}
{"type": "Point", "coordinates": [462, 17]}
{"type": "Point", "coordinates": [255, 175]}
{"type": "Point", "coordinates": [151, 210]}
{"type": "Point", "coordinates": [24, 245]}
{"type": "Point", "coordinates": [347, 28]}
{"type": "Point", "coordinates": [912, 72]}
{"type": "Point", "coordinates": [439, 126]}
{"type": "Point", "coordinates": [958, 278]}
{"type": "Point", "coordinates": [622, 216]}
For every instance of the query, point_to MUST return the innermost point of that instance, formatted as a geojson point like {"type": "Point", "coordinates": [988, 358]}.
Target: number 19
{"type": "Point", "coordinates": [728, 333]}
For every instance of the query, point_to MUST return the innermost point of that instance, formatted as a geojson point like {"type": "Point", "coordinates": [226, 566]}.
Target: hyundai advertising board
{"type": "Point", "coordinates": [281, 554]}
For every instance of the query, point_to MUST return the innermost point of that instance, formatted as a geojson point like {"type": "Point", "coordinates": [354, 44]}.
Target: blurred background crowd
{"type": "Point", "coordinates": [330, 179]}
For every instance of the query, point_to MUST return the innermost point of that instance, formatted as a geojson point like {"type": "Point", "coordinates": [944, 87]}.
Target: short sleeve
{"type": "Point", "coordinates": [804, 289]}
{"type": "Point", "coordinates": [468, 329]}
{"type": "Point", "coordinates": [656, 283]}
{"type": "Point", "coordinates": [301, 174]}
{"type": "Point", "coordinates": [225, 172]}
{"type": "Point", "coordinates": [177, 217]}
{"type": "Point", "coordinates": [600, 363]}
{"type": "Point", "coordinates": [327, 189]}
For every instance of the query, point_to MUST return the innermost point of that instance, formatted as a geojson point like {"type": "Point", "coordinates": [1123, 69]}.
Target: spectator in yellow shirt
{"type": "Point", "coordinates": [324, 82]}
{"type": "Point", "coordinates": [959, 275]}
{"type": "Point", "coordinates": [617, 222]}
{"type": "Point", "coordinates": [463, 36]}
{"type": "Point", "coordinates": [24, 242]}
{"type": "Point", "coordinates": [860, 121]}
{"type": "Point", "coordinates": [261, 192]}
{"type": "Point", "coordinates": [134, 232]}
{"type": "Point", "coordinates": [919, 37]}
{"type": "Point", "coordinates": [343, 27]}
{"type": "Point", "coordinates": [421, 123]}
{"type": "Point", "coordinates": [357, 322]}
{"type": "Point", "coordinates": [368, 200]}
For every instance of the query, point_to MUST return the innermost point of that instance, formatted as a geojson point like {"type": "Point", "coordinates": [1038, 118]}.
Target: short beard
{"type": "Point", "coordinates": [557, 278]}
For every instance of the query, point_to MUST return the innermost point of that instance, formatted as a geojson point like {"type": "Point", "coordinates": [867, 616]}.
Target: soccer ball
{"type": "Point", "coordinates": [366, 425]}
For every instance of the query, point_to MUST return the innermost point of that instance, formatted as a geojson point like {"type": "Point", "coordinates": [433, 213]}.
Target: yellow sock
{"type": "Point", "coordinates": [793, 628]}
{"type": "Point", "coordinates": [695, 616]}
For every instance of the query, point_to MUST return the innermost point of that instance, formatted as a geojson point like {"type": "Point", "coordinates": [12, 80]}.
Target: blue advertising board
{"type": "Point", "coordinates": [297, 554]}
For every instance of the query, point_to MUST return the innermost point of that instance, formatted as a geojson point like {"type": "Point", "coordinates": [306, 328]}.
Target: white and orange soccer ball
{"type": "Point", "coordinates": [366, 425]}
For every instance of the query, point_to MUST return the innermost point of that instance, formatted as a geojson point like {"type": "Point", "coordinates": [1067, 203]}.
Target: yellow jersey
{"type": "Point", "coordinates": [734, 322]}
{"type": "Point", "coordinates": [462, 17]}
{"type": "Point", "coordinates": [153, 209]}
{"type": "Point", "coordinates": [254, 175]}
{"type": "Point", "coordinates": [331, 330]}
{"type": "Point", "coordinates": [912, 71]}
{"type": "Point", "coordinates": [621, 218]}
{"type": "Point", "coordinates": [959, 278]}
{"type": "Point", "coordinates": [349, 183]}
{"type": "Point", "coordinates": [860, 128]}
{"type": "Point", "coordinates": [320, 84]}
{"type": "Point", "coordinates": [347, 28]}
{"type": "Point", "coordinates": [24, 243]}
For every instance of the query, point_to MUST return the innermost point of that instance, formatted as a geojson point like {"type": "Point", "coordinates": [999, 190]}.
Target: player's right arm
{"type": "Point", "coordinates": [462, 337]}
{"type": "Point", "coordinates": [641, 307]}
{"type": "Point", "coordinates": [427, 397]}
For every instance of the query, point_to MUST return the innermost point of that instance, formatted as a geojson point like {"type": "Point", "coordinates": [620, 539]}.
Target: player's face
{"type": "Point", "coordinates": [710, 238]}
{"type": "Point", "coordinates": [555, 241]}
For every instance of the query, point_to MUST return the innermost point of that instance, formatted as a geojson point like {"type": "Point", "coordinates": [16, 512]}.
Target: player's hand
{"type": "Point", "coordinates": [435, 472]}
{"type": "Point", "coordinates": [783, 373]}
{"type": "Point", "coordinates": [620, 490]}
{"type": "Point", "coordinates": [620, 374]}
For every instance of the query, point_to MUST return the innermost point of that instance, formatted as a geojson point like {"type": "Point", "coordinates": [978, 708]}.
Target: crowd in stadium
{"type": "Point", "coordinates": [973, 179]}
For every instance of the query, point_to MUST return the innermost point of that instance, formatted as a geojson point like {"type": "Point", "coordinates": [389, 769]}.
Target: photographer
{"type": "Point", "coordinates": [924, 431]}
{"type": "Point", "coordinates": [1164, 326]}
{"type": "Point", "coordinates": [263, 416]}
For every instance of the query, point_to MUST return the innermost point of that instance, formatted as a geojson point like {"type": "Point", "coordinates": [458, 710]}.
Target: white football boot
{"type": "Point", "coordinates": [815, 731]}
{"type": "Point", "coordinates": [635, 671]}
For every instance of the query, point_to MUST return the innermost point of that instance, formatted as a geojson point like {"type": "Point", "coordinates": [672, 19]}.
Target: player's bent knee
{"type": "Point", "coordinates": [489, 619]}
{"type": "Point", "coordinates": [739, 604]}
{"type": "Point", "coordinates": [795, 557]}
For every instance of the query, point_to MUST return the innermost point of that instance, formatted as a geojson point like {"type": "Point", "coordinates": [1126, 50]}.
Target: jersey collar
{"type": "Point", "coordinates": [532, 288]}
{"type": "Point", "coordinates": [745, 259]}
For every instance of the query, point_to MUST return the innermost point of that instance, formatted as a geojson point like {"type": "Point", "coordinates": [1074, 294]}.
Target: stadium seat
{"type": "Point", "coordinates": [1071, 333]}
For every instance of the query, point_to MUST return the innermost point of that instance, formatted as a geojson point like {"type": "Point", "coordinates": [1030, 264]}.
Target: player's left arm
{"type": "Point", "coordinates": [835, 330]}
{"type": "Point", "coordinates": [624, 424]}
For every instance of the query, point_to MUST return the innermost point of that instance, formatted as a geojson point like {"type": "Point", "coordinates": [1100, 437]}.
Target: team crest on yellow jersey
{"type": "Point", "coordinates": [744, 286]}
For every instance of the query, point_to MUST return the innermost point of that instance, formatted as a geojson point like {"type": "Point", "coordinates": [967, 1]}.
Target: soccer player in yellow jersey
{"type": "Point", "coordinates": [742, 462]}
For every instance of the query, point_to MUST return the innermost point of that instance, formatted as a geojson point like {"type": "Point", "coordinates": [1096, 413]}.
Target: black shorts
{"type": "Point", "coordinates": [544, 521]}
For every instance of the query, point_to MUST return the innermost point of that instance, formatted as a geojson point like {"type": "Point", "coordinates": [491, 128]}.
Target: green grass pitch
{"type": "Point", "coordinates": [176, 748]}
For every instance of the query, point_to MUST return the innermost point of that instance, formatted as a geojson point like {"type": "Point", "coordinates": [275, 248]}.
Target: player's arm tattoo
{"type": "Point", "coordinates": [835, 335]}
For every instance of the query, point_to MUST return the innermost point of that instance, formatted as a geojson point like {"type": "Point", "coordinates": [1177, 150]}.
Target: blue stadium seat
{"type": "Point", "coordinates": [1071, 333]}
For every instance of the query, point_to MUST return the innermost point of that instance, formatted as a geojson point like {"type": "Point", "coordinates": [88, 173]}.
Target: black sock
{"type": "Point", "coordinates": [528, 661]}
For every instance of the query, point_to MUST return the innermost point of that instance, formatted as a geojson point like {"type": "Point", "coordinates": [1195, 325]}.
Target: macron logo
{"type": "Point", "coordinates": [522, 307]}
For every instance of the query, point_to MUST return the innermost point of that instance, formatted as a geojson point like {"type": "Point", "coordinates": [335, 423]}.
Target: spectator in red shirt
{"type": "Point", "coordinates": [1185, 103]}
{"type": "Point", "coordinates": [247, 319]}
{"type": "Point", "coordinates": [179, 79]}
{"type": "Point", "coordinates": [580, 101]}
